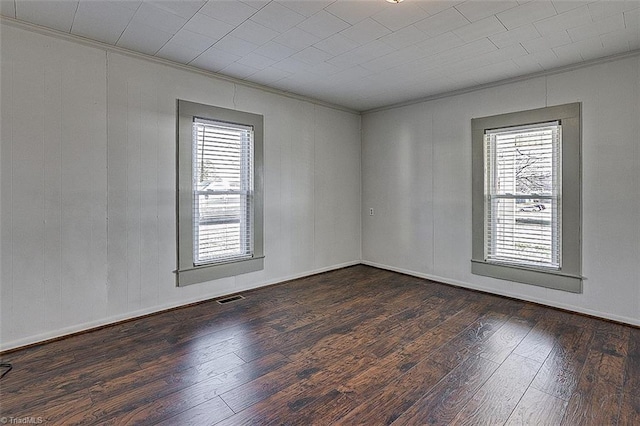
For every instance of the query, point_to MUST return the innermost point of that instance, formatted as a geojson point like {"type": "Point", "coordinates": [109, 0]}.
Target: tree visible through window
{"type": "Point", "coordinates": [521, 181]}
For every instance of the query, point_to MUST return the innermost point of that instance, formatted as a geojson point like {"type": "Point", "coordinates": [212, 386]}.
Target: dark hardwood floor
{"type": "Point", "coordinates": [353, 346]}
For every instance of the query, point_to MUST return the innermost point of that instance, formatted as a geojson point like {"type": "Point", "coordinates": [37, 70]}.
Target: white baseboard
{"type": "Point", "coordinates": [55, 334]}
{"type": "Point", "coordinates": [551, 303]}
{"type": "Point", "coordinates": [5, 346]}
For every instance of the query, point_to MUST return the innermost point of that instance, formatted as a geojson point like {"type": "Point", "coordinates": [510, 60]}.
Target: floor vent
{"type": "Point", "coordinates": [229, 299]}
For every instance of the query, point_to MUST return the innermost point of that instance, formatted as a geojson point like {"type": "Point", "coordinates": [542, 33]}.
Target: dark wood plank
{"type": "Point", "coordinates": [441, 405]}
{"type": "Point", "coordinates": [560, 372]}
{"type": "Point", "coordinates": [539, 342]}
{"type": "Point", "coordinates": [396, 397]}
{"type": "Point", "coordinates": [355, 345]}
{"type": "Point", "coordinates": [630, 406]}
{"type": "Point", "coordinates": [598, 396]}
{"type": "Point", "coordinates": [497, 398]}
{"type": "Point", "coordinates": [188, 392]}
{"type": "Point", "coordinates": [630, 410]}
{"type": "Point", "coordinates": [207, 413]}
{"type": "Point", "coordinates": [500, 345]}
{"type": "Point", "coordinates": [537, 408]}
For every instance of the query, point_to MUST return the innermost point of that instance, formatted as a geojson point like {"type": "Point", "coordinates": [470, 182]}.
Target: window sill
{"type": "Point", "coordinates": [204, 273]}
{"type": "Point", "coordinates": [557, 280]}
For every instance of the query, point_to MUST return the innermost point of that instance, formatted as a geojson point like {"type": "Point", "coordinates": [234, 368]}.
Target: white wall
{"type": "Point", "coordinates": [87, 201]}
{"type": "Point", "coordinates": [416, 171]}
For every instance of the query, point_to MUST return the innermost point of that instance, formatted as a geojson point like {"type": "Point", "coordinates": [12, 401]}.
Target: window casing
{"type": "Point", "coordinates": [219, 192]}
{"type": "Point", "coordinates": [526, 197]}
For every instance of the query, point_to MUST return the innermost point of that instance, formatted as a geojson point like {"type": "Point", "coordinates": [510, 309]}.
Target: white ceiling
{"type": "Point", "coordinates": [361, 54]}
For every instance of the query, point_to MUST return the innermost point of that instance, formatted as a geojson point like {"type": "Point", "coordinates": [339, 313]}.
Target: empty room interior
{"type": "Point", "coordinates": [320, 212]}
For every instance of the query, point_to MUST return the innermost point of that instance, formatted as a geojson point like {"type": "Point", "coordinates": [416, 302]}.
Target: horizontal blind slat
{"type": "Point", "coordinates": [521, 195]}
{"type": "Point", "coordinates": [223, 191]}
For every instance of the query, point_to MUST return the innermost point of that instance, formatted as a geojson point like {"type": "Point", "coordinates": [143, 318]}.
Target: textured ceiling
{"type": "Point", "coordinates": [361, 54]}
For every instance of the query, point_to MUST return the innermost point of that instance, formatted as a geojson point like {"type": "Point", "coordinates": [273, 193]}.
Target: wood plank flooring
{"type": "Point", "coordinates": [358, 345]}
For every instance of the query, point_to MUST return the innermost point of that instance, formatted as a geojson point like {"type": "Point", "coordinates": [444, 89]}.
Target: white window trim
{"type": "Point", "coordinates": [188, 272]}
{"type": "Point", "coordinates": [568, 277]}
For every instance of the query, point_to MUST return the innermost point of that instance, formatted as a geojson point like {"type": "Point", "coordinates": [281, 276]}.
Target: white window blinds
{"type": "Point", "coordinates": [522, 195]}
{"type": "Point", "coordinates": [222, 191]}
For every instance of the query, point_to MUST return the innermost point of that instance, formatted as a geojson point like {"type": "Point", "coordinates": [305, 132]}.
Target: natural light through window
{"type": "Point", "coordinates": [522, 189]}
{"type": "Point", "coordinates": [223, 191]}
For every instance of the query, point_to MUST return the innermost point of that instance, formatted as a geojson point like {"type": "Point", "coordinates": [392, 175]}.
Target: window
{"type": "Point", "coordinates": [219, 192]}
{"type": "Point", "coordinates": [526, 197]}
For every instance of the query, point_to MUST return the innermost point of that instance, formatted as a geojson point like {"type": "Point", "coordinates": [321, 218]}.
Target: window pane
{"type": "Point", "coordinates": [521, 181]}
{"type": "Point", "coordinates": [222, 182]}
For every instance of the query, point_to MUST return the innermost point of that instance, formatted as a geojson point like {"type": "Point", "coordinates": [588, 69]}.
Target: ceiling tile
{"type": "Point", "coordinates": [365, 31]}
{"type": "Point", "coordinates": [440, 43]}
{"type": "Point", "coordinates": [520, 34]}
{"type": "Point", "coordinates": [622, 40]}
{"type": "Point", "coordinates": [405, 37]}
{"type": "Point", "coordinates": [433, 7]}
{"type": "Point", "coordinates": [256, 61]}
{"type": "Point", "coordinates": [350, 74]}
{"type": "Point", "coordinates": [324, 69]}
{"type": "Point", "coordinates": [571, 19]}
{"type": "Point", "coordinates": [256, 4]}
{"type": "Point", "coordinates": [526, 13]}
{"type": "Point", "coordinates": [297, 39]}
{"type": "Point", "coordinates": [568, 54]}
{"type": "Point", "coordinates": [102, 21]}
{"type": "Point", "coordinates": [343, 51]}
{"type": "Point", "coordinates": [492, 57]}
{"type": "Point", "coordinates": [293, 66]}
{"type": "Point", "coordinates": [590, 48]}
{"type": "Point", "coordinates": [547, 42]}
{"type": "Point", "coordinates": [277, 17]}
{"type": "Point", "coordinates": [603, 8]}
{"type": "Point", "coordinates": [275, 51]}
{"type": "Point", "coordinates": [193, 40]}
{"type": "Point", "coordinates": [178, 53]}
{"type": "Point", "coordinates": [129, 4]}
{"type": "Point", "coordinates": [336, 45]}
{"type": "Point", "coordinates": [323, 24]}
{"type": "Point", "coordinates": [355, 11]}
{"type": "Point", "coordinates": [56, 14]}
{"type": "Point", "coordinates": [603, 26]}
{"type": "Point", "coordinates": [483, 28]}
{"type": "Point", "coordinates": [183, 8]}
{"type": "Point", "coordinates": [393, 59]}
{"type": "Point", "coordinates": [254, 32]}
{"type": "Point", "coordinates": [214, 59]}
{"type": "Point", "coordinates": [361, 54]}
{"type": "Point", "coordinates": [268, 76]}
{"type": "Point", "coordinates": [207, 26]}
{"type": "Point", "coordinates": [400, 15]}
{"type": "Point", "coordinates": [464, 52]}
{"type": "Point", "coordinates": [543, 60]}
{"type": "Point", "coordinates": [235, 45]}
{"type": "Point", "coordinates": [152, 16]}
{"type": "Point", "coordinates": [475, 10]}
{"type": "Point", "coordinates": [311, 56]}
{"type": "Point", "coordinates": [487, 73]}
{"type": "Point", "coordinates": [307, 7]}
{"type": "Point", "coordinates": [632, 19]}
{"type": "Point", "coordinates": [238, 70]}
{"type": "Point", "coordinates": [144, 39]}
{"type": "Point", "coordinates": [231, 12]}
{"type": "Point", "coordinates": [447, 20]}
{"type": "Point", "coordinates": [565, 5]}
